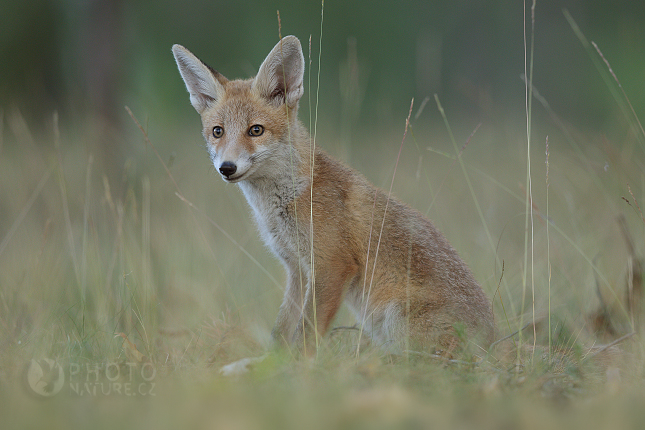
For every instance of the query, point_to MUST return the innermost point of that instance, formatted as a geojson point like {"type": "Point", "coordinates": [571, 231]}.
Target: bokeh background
{"type": "Point", "coordinates": [94, 241]}
{"type": "Point", "coordinates": [95, 56]}
{"type": "Point", "coordinates": [69, 68]}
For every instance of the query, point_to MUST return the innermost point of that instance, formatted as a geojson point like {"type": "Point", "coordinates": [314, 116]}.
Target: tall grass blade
{"type": "Point", "coordinates": [458, 153]}
{"type": "Point", "coordinates": [606, 74]}
{"type": "Point", "coordinates": [378, 243]}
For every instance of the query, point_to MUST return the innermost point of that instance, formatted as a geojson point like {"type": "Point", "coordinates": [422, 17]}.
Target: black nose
{"type": "Point", "coordinates": [227, 168]}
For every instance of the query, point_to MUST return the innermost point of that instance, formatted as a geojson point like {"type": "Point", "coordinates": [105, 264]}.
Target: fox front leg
{"type": "Point", "coordinates": [290, 309]}
{"type": "Point", "coordinates": [322, 302]}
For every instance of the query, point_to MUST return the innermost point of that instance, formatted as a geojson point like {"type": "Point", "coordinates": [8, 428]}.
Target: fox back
{"type": "Point", "coordinates": [338, 237]}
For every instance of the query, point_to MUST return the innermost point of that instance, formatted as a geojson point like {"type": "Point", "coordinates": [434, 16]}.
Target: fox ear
{"type": "Point", "coordinates": [280, 77]}
{"type": "Point", "coordinates": [204, 84]}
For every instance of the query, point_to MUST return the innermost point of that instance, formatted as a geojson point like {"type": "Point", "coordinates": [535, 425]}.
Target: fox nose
{"type": "Point", "coordinates": [227, 168]}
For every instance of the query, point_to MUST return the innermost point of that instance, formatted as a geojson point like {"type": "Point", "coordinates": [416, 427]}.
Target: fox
{"type": "Point", "coordinates": [339, 238]}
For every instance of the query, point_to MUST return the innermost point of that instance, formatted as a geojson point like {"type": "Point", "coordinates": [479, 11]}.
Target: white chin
{"type": "Point", "coordinates": [233, 180]}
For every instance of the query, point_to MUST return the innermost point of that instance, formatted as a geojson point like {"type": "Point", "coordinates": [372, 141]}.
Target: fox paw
{"type": "Point", "coordinates": [240, 367]}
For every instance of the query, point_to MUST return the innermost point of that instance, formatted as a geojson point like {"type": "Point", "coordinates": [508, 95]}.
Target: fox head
{"type": "Point", "coordinates": [247, 124]}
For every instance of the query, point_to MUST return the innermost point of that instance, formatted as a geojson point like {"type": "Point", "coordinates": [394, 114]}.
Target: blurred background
{"type": "Point", "coordinates": [94, 241]}
{"type": "Point", "coordinates": [96, 56]}
{"type": "Point", "coordinates": [92, 234]}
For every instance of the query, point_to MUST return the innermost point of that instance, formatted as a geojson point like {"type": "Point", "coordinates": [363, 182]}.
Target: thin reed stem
{"type": "Point", "coordinates": [528, 64]}
{"type": "Point", "coordinates": [458, 153]}
{"type": "Point", "coordinates": [548, 246]}
{"type": "Point", "coordinates": [295, 200]}
{"type": "Point", "coordinates": [387, 202]}
{"type": "Point", "coordinates": [627, 110]}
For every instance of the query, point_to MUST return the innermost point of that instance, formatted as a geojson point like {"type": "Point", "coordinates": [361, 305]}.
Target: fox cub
{"type": "Point", "coordinates": [404, 282]}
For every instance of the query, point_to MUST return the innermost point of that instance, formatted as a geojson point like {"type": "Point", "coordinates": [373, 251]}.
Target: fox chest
{"type": "Point", "coordinates": [275, 214]}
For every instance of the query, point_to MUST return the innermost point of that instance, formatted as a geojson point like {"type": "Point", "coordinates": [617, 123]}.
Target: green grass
{"type": "Point", "coordinates": [162, 251]}
{"type": "Point", "coordinates": [80, 264]}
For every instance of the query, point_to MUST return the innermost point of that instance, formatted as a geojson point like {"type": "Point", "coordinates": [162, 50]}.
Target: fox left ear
{"type": "Point", "coordinates": [280, 77]}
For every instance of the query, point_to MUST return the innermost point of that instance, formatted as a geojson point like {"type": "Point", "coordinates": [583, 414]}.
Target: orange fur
{"type": "Point", "coordinates": [418, 290]}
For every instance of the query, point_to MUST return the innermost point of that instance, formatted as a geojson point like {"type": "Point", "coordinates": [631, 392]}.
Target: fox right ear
{"type": "Point", "coordinates": [204, 84]}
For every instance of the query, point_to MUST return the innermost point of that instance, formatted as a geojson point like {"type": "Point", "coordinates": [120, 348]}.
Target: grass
{"type": "Point", "coordinates": [159, 267]}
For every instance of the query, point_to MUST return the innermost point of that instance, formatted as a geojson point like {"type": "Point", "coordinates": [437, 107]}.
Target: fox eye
{"type": "Point", "coordinates": [256, 130]}
{"type": "Point", "coordinates": [218, 132]}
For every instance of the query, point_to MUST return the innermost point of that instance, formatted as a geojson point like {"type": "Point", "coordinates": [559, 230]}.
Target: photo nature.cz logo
{"type": "Point", "coordinates": [47, 377]}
